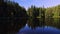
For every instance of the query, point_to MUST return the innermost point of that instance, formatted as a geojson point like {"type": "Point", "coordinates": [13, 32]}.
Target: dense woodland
{"type": "Point", "coordinates": [12, 16]}
{"type": "Point", "coordinates": [12, 9]}
{"type": "Point", "coordinates": [9, 8]}
{"type": "Point", "coordinates": [50, 12]}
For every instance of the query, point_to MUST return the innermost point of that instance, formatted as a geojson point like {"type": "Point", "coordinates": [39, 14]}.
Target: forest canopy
{"type": "Point", "coordinates": [33, 11]}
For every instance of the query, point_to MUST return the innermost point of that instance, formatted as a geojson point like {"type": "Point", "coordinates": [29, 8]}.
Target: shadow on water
{"type": "Point", "coordinates": [11, 26]}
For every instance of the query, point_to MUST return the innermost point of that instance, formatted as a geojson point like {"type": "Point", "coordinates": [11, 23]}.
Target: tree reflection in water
{"type": "Point", "coordinates": [35, 22]}
{"type": "Point", "coordinates": [12, 26]}
{"type": "Point", "coordinates": [53, 22]}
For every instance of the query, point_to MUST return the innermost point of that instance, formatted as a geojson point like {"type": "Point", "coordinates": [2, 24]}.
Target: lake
{"type": "Point", "coordinates": [35, 26]}
{"type": "Point", "coordinates": [39, 30]}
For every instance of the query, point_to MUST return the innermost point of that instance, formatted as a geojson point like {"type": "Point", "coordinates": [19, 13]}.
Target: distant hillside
{"type": "Point", "coordinates": [53, 11]}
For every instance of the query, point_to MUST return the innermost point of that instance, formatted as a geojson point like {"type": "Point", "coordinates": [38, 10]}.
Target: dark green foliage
{"type": "Point", "coordinates": [36, 12]}
{"type": "Point", "coordinates": [12, 16]}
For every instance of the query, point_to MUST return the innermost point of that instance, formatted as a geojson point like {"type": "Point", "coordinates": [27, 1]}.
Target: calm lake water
{"type": "Point", "coordinates": [39, 30]}
{"type": "Point", "coordinates": [36, 26]}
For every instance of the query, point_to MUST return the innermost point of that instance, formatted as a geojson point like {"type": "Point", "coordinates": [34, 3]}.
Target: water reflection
{"type": "Point", "coordinates": [39, 30]}
{"type": "Point", "coordinates": [53, 22]}
{"type": "Point", "coordinates": [12, 26]}
{"type": "Point", "coordinates": [36, 22]}
{"type": "Point", "coordinates": [31, 26]}
{"type": "Point", "coordinates": [36, 26]}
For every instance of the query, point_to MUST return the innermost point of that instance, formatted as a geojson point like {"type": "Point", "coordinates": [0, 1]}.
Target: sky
{"type": "Point", "coordinates": [38, 3]}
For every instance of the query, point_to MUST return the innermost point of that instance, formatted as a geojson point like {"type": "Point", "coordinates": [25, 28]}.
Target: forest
{"type": "Point", "coordinates": [50, 12]}
{"type": "Point", "coordinates": [12, 12]}
{"type": "Point", "coordinates": [12, 8]}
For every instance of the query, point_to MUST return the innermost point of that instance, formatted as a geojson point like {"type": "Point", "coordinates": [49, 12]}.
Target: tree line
{"type": "Point", "coordinates": [50, 12]}
{"type": "Point", "coordinates": [12, 8]}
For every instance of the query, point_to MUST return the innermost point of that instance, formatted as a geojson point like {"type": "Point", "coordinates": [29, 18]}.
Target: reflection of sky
{"type": "Point", "coordinates": [38, 3]}
{"type": "Point", "coordinates": [39, 30]}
